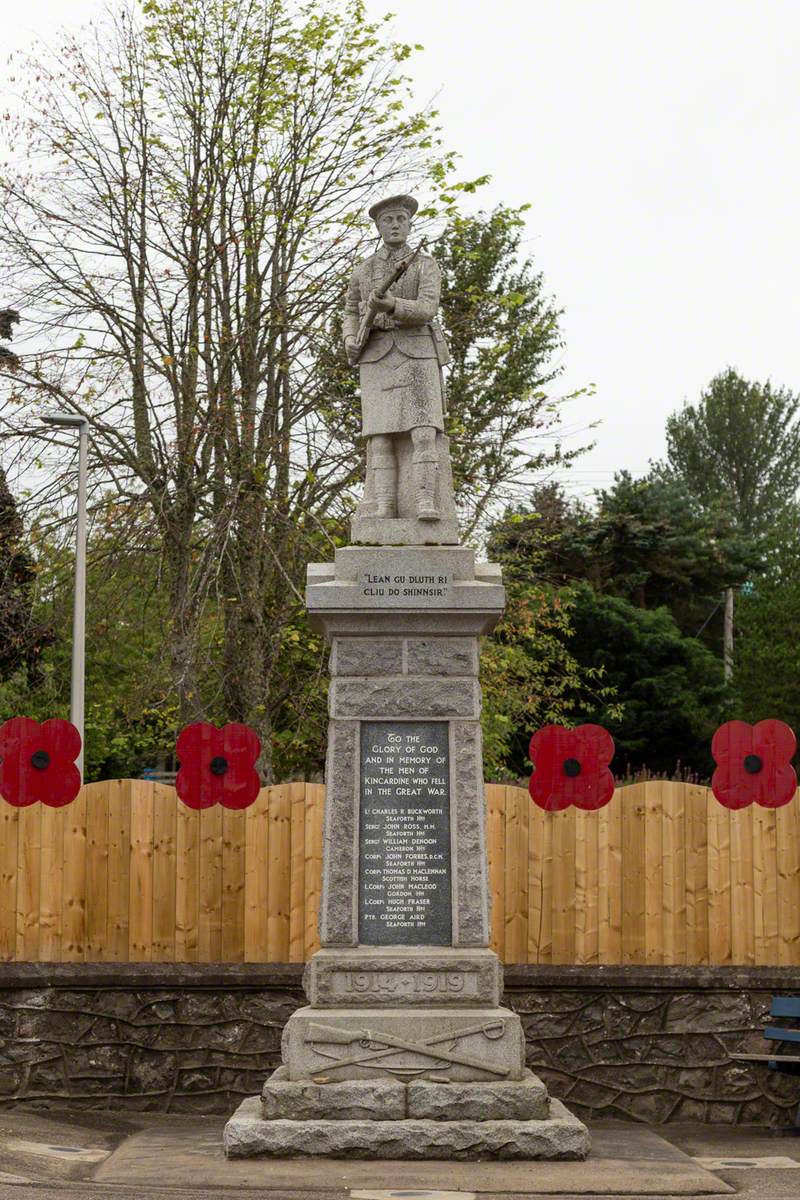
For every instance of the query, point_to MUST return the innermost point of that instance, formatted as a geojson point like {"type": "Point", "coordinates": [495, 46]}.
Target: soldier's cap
{"type": "Point", "coordinates": [407, 202]}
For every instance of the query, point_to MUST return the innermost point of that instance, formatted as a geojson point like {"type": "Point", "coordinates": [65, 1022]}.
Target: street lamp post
{"type": "Point", "coordinates": [76, 699]}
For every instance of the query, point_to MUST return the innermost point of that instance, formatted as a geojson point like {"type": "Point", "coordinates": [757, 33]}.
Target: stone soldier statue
{"type": "Point", "coordinates": [402, 390]}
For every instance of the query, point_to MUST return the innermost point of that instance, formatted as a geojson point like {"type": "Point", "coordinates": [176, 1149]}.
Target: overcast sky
{"type": "Point", "coordinates": [659, 145]}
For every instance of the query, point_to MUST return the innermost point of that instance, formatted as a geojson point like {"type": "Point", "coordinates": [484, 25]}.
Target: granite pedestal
{"type": "Point", "coordinates": [404, 1049]}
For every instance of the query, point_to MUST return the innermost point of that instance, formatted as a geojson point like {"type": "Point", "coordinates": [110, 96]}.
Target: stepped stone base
{"type": "Point", "coordinates": [348, 1100]}
{"type": "Point", "coordinates": [560, 1136]}
{"type": "Point", "coordinates": [523, 1099]}
{"type": "Point", "coordinates": [390, 1100]}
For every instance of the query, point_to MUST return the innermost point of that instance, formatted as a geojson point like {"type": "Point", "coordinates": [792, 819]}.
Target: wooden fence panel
{"type": "Point", "coordinates": [97, 854]}
{"type": "Point", "coordinates": [73, 913]}
{"type": "Point", "coordinates": [653, 805]}
{"type": "Point", "coordinates": [634, 874]}
{"type": "Point", "coordinates": [119, 867]}
{"type": "Point", "coordinates": [696, 834]}
{"type": "Point", "coordinates": [297, 881]}
{"type": "Point", "coordinates": [209, 916]}
{"type": "Point", "coordinates": [546, 938]}
{"type": "Point", "coordinates": [29, 851]}
{"type": "Point", "coordinates": [609, 881]}
{"type": "Point", "coordinates": [742, 915]}
{"type": "Point", "coordinates": [9, 819]}
{"type": "Point", "coordinates": [315, 799]}
{"type": "Point", "coordinates": [256, 880]}
{"type": "Point", "coordinates": [165, 832]}
{"type": "Point", "coordinates": [515, 875]}
{"type": "Point", "coordinates": [234, 866]}
{"type": "Point", "coordinates": [187, 883]}
{"type": "Point", "coordinates": [673, 849]}
{"type": "Point", "coordinates": [765, 884]}
{"type": "Point", "coordinates": [140, 912]}
{"type": "Point", "coordinates": [536, 895]}
{"type": "Point", "coordinates": [279, 882]}
{"type": "Point", "coordinates": [51, 896]}
{"type": "Point", "coordinates": [788, 833]}
{"type": "Point", "coordinates": [662, 875]}
{"type": "Point", "coordinates": [587, 842]}
{"type": "Point", "coordinates": [564, 886]}
{"type": "Point", "coordinates": [495, 845]}
{"type": "Point", "coordinates": [720, 938]}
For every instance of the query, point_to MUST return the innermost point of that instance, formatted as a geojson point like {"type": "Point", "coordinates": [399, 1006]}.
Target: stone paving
{"type": "Point", "coordinates": [69, 1156]}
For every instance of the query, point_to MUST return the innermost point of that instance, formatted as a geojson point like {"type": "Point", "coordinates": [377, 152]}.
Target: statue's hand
{"type": "Point", "coordinates": [351, 349]}
{"type": "Point", "coordinates": [384, 304]}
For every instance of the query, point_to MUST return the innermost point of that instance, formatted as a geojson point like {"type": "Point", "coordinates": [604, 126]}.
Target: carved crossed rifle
{"type": "Point", "coordinates": [388, 1044]}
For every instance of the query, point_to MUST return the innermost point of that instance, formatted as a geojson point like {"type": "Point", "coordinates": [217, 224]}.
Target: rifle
{"type": "Point", "coordinates": [378, 1045]}
{"type": "Point", "coordinates": [365, 328]}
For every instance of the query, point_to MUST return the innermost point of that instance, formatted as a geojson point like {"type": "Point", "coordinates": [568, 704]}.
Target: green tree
{"type": "Point", "coordinates": [669, 687]}
{"type": "Point", "coordinates": [131, 720]}
{"type": "Point", "coordinates": [739, 448]}
{"type": "Point", "coordinates": [646, 541]}
{"type": "Point", "coordinates": [638, 575]}
{"type": "Point", "coordinates": [22, 637]}
{"type": "Point", "coordinates": [529, 671]}
{"type": "Point", "coordinates": [767, 678]}
{"type": "Point", "coordinates": [505, 337]}
{"type": "Point", "coordinates": [738, 451]}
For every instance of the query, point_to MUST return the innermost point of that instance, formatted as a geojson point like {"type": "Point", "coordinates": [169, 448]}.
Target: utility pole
{"type": "Point", "coordinates": [77, 684]}
{"type": "Point", "coordinates": [727, 637]}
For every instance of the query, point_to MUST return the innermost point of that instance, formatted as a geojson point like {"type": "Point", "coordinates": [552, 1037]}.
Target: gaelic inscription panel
{"type": "Point", "coordinates": [404, 834]}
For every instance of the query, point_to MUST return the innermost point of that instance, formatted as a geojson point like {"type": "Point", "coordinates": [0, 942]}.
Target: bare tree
{"type": "Point", "coordinates": [178, 235]}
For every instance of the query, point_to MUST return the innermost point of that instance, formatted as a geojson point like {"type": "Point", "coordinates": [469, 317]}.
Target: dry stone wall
{"type": "Point", "coordinates": [654, 1044]}
{"type": "Point", "coordinates": [148, 1039]}
{"type": "Point", "coordinates": [648, 1044]}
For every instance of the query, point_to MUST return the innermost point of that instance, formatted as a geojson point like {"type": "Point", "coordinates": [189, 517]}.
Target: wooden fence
{"type": "Point", "coordinates": [662, 875]}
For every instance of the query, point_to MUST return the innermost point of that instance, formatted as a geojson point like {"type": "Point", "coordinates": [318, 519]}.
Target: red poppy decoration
{"type": "Point", "coordinates": [37, 762]}
{"type": "Point", "coordinates": [217, 765]}
{"type": "Point", "coordinates": [571, 767]}
{"type": "Point", "coordinates": [754, 764]}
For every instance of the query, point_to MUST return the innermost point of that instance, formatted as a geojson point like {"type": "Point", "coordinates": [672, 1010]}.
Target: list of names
{"type": "Point", "coordinates": [404, 861]}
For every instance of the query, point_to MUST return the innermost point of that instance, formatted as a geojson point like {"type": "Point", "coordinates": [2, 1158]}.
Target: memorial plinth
{"type": "Point", "coordinates": [404, 1049]}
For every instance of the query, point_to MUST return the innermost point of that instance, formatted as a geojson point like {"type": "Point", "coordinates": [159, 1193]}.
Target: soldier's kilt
{"type": "Point", "coordinates": [400, 393]}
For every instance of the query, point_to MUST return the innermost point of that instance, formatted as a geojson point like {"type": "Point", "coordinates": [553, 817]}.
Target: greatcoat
{"type": "Point", "coordinates": [401, 365]}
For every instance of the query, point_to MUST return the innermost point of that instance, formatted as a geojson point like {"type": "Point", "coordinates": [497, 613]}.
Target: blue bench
{"type": "Point", "coordinates": [787, 1064]}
